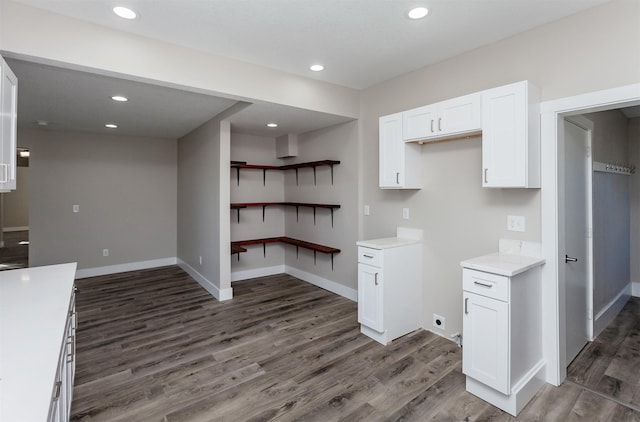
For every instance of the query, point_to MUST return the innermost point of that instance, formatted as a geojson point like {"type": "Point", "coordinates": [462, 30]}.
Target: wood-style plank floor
{"type": "Point", "coordinates": [610, 365]}
{"type": "Point", "coordinates": [153, 345]}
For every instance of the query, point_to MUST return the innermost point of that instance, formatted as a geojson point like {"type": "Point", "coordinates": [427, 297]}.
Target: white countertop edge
{"type": "Point", "coordinates": [502, 264]}
{"type": "Point", "coordinates": [387, 242]}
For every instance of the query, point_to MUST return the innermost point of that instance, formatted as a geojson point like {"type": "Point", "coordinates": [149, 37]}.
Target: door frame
{"type": "Point", "coordinates": [553, 113]}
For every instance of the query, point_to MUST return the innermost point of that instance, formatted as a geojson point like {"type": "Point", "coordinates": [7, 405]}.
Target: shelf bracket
{"type": "Point", "coordinates": [314, 216]}
{"type": "Point", "coordinates": [264, 250]}
{"type": "Point", "coordinates": [297, 251]}
{"type": "Point", "coordinates": [331, 220]}
{"type": "Point", "coordinates": [296, 177]}
{"type": "Point", "coordinates": [264, 177]}
{"type": "Point", "coordinates": [314, 257]}
{"type": "Point", "coordinates": [314, 175]}
{"type": "Point", "coordinates": [238, 256]}
{"type": "Point", "coordinates": [331, 165]}
{"type": "Point", "coordinates": [297, 214]}
{"type": "Point", "coordinates": [263, 210]}
{"type": "Point", "coordinates": [331, 261]}
{"type": "Point", "coordinates": [238, 215]}
{"type": "Point", "coordinates": [238, 175]}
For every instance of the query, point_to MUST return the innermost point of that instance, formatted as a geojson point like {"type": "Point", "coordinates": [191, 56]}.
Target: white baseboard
{"type": "Point", "coordinates": [323, 283]}
{"type": "Point", "coordinates": [15, 229]}
{"type": "Point", "coordinates": [121, 268]}
{"type": "Point", "coordinates": [611, 310]}
{"type": "Point", "coordinates": [635, 289]}
{"type": "Point", "coordinates": [215, 291]}
{"type": "Point", "coordinates": [257, 272]}
{"type": "Point", "coordinates": [332, 286]}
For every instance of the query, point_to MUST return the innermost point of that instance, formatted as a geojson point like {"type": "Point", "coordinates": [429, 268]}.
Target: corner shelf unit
{"type": "Point", "coordinates": [264, 205]}
{"type": "Point", "coordinates": [311, 164]}
{"type": "Point", "coordinates": [238, 246]}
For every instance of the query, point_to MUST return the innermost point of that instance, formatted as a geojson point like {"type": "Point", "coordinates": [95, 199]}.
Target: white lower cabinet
{"type": "Point", "coordinates": [389, 287]}
{"type": "Point", "coordinates": [63, 387]}
{"type": "Point", "coordinates": [502, 337]}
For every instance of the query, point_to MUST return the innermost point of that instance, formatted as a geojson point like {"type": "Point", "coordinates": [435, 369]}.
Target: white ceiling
{"type": "Point", "coordinates": [360, 42]}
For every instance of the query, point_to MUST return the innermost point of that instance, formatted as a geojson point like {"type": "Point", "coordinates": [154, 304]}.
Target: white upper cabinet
{"type": "Point", "coordinates": [457, 116]}
{"type": "Point", "coordinates": [511, 136]}
{"type": "Point", "coordinates": [399, 162]}
{"type": "Point", "coordinates": [8, 127]}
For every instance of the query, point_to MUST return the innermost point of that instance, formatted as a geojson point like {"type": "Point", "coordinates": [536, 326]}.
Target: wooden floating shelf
{"type": "Point", "coordinates": [264, 205]}
{"type": "Point", "coordinates": [238, 246]}
{"type": "Point", "coordinates": [311, 164]}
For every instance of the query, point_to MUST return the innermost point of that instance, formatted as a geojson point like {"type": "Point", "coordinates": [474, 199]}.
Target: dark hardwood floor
{"type": "Point", "coordinates": [154, 346]}
{"type": "Point", "coordinates": [610, 365]}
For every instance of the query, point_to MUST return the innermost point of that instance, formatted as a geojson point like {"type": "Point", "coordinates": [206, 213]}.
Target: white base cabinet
{"type": "Point", "coordinates": [389, 287]}
{"type": "Point", "coordinates": [502, 337]}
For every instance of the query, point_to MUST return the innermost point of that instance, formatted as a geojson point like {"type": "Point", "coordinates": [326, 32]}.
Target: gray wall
{"type": "Point", "coordinates": [460, 219]}
{"type": "Point", "coordinates": [15, 204]}
{"type": "Point", "coordinates": [126, 190]}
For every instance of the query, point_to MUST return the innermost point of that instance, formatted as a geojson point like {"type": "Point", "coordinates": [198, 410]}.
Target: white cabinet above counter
{"type": "Point", "coordinates": [508, 118]}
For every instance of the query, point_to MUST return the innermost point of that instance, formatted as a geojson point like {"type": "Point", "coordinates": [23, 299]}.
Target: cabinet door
{"type": "Point", "coordinates": [370, 297]}
{"type": "Point", "coordinates": [419, 123]}
{"type": "Point", "coordinates": [8, 127]}
{"type": "Point", "coordinates": [460, 115]}
{"type": "Point", "coordinates": [391, 151]}
{"type": "Point", "coordinates": [485, 341]}
{"type": "Point", "coordinates": [504, 136]}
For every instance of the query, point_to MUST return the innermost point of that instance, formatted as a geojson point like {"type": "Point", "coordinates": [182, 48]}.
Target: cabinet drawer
{"type": "Point", "coordinates": [370, 256]}
{"type": "Point", "coordinates": [486, 284]}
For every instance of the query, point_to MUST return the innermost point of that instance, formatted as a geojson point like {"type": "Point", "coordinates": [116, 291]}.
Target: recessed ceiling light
{"type": "Point", "coordinates": [42, 123]}
{"type": "Point", "coordinates": [418, 12]}
{"type": "Point", "coordinates": [272, 125]}
{"type": "Point", "coordinates": [24, 153]}
{"type": "Point", "coordinates": [317, 67]}
{"type": "Point", "coordinates": [124, 12]}
{"type": "Point", "coordinates": [111, 125]}
{"type": "Point", "coordinates": [119, 98]}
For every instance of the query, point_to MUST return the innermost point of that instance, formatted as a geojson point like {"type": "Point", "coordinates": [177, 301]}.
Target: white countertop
{"type": "Point", "coordinates": [34, 303]}
{"type": "Point", "coordinates": [502, 263]}
{"type": "Point", "coordinates": [387, 242]}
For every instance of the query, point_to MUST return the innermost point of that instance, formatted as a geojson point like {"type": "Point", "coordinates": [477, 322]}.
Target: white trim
{"type": "Point", "coordinates": [635, 289]}
{"type": "Point", "coordinates": [121, 268]}
{"type": "Point", "coordinates": [318, 281]}
{"type": "Point", "coordinates": [215, 291]}
{"type": "Point", "coordinates": [610, 311]}
{"type": "Point", "coordinates": [16, 229]}
{"type": "Point", "coordinates": [332, 286]}
{"type": "Point", "coordinates": [257, 272]}
{"type": "Point", "coordinates": [552, 243]}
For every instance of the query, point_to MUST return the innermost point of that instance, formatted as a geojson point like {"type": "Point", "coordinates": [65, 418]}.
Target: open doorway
{"type": "Point", "coordinates": [554, 114]}
{"type": "Point", "coordinates": [14, 219]}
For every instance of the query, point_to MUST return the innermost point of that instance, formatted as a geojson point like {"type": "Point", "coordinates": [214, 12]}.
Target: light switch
{"type": "Point", "coordinates": [405, 213]}
{"type": "Point", "coordinates": [76, 208]}
{"type": "Point", "coordinates": [366, 210]}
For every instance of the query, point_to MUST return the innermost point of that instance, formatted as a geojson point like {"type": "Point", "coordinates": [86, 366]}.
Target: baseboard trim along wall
{"type": "Point", "coordinates": [323, 283]}
{"type": "Point", "coordinates": [611, 310]}
{"type": "Point", "coordinates": [215, 291]}
{"type": "Point", "coordinates": [258, 272]}
{"type": "Point", "coordinates": [16, 229]}
{"type": "Point", "coordinates": [635, 289]}
{"type": "Point", "coordinates": [121, 268]}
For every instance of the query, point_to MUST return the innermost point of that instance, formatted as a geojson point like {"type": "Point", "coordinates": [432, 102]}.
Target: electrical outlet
{"type": "Point", "coordinates": [200, 259]}
{"type": "Point", "coordinates": [515, 223]}
{"type": "Point", "coordinates": [439, 322]}
{"type": "Point", "coordinates": [105, 252]}
{"type": "Point", "coordinates": [367, 210]}
{"type": "Point", "coordinates": [76, 208]}
{"type": "Point", "coordinates": [405, 213]}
